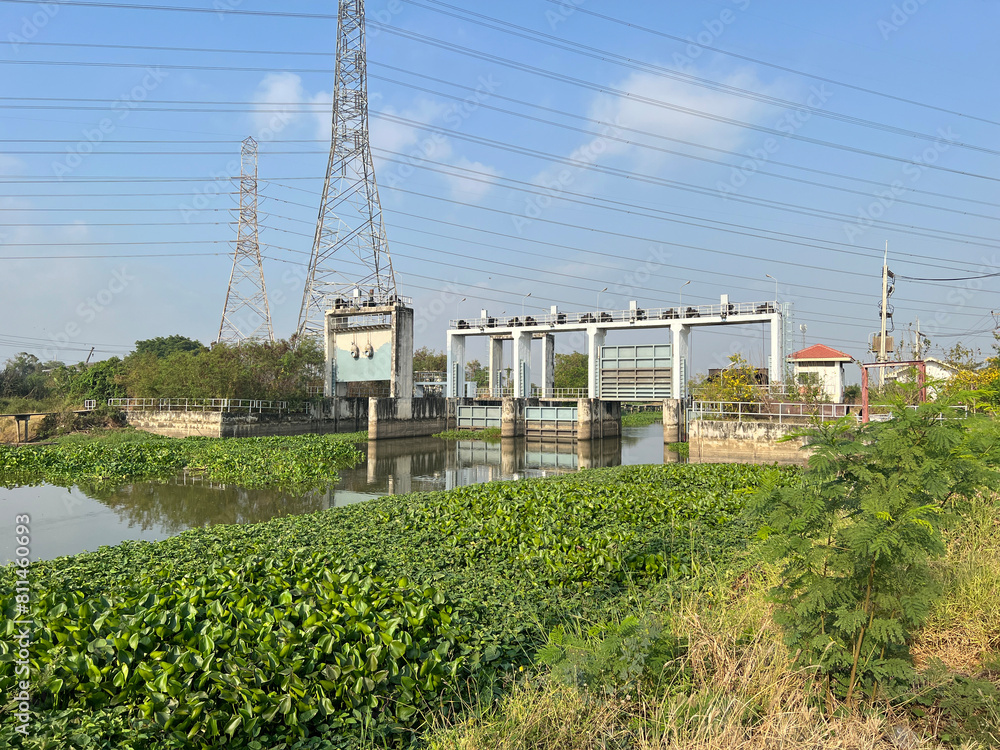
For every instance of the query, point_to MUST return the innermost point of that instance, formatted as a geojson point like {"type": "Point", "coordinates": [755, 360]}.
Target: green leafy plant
{"type": "Point", "coordinates": [855, 538]}
{"type": "Point", "coordinates": [614, 658]}
{"type": "Point", "coordinates": [299, 462]}
{"type": "Point", "coordinates": [294, 642]}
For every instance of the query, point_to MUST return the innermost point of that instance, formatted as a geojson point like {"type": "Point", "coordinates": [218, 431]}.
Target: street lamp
{"type": "Point", "coordinates": [775, 286]}
{"type": "Point", "coordinates": [522, 305]}
{"type": "Point", "coordinates": [599, 298]}
{"type": "Point", "coordinates": [680, 295]}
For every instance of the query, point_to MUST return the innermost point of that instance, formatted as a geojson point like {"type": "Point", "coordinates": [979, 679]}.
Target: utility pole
{"type": "Point", "coordinates": [349, 248]}
{"type": "Point", "coordinates": [247, 315]}
{"type": "Point", "coordinates": [885, 311]}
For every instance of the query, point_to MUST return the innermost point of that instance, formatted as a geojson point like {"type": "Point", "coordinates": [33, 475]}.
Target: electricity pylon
{"type": "Point", "coordinates": [349, 249]}
{"type": "Point", "coordinates": [246, 315]}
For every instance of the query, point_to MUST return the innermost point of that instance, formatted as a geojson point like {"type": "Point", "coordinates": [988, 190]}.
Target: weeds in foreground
{"type": "Point", "coordinates": [964, 626]}
{"type": "Point", "coordinates": [729, 686]}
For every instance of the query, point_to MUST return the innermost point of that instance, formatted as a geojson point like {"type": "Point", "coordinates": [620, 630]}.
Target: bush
{"type": "Point", "coordinates": [856, 537]}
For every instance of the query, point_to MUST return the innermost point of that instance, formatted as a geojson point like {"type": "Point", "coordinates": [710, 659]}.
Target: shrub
{"type": "Point", "coordinates": [856, 536]}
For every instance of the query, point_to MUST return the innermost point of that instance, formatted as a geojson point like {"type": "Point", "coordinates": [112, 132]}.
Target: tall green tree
{"type": "Point", "coordinates": [856, 537]}
{"type": "Point", "coordinates": [164, 346]}
{"type": "Point", "coordinates": [428, 360]}
{"type": "Point", "coordinates": [571, 370]}
{"type": "Point", "coordinates": [280, 370]}
{"type": "Point", "coordinates": [100, 381]}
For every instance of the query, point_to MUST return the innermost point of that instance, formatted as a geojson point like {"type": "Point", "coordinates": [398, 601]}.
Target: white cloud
{"type": "Point", "coordinates": [632, 112]}
{"type": "Point", "coordinates": [11, 165]}
{"type": "Point", "coordinates": [281, 102]}
{"type": "Point", "coordinates": [475, 186]}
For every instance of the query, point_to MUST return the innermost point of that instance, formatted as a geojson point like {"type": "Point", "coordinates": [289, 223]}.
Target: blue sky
{"type": "Point", "coordinates": [587, 171]}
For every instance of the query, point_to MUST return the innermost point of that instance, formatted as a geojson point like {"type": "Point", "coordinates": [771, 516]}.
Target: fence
{"type": "Point", "coordinates": [250, 406]}
{"type": "Point", "coordinates": [619, 316]}
{"type": "Point", "coordinates": [742, 411]}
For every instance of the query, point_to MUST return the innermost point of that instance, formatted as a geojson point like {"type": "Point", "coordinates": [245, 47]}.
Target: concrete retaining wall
{"type": "Point", "coordinates": [328, 417]}
{"type": "Point", "coordinates": [744, 442]}
{"type": "Point", "coordinates": [178, 424]}
{"type": "Point", "coordinates": [406, 417]}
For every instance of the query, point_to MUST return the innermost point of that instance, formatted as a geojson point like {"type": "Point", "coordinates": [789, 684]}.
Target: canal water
{"type": "Point", "coordinates": [67, 521]}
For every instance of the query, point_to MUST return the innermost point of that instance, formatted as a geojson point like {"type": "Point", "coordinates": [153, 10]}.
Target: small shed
{"type": "Point", "coordinates": [824, 366]}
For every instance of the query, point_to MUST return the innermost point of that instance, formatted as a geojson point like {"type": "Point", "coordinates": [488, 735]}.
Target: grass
{"type": "Point", "coordinates": [964, 627]}
{"type": "Point", "coordinates": [730, 688]}
{"type": "Point", "coordinates": [116, 436]}
{"type": "Point", "coordinates": [489, 435]}
{"type": "Point", "coordinates": [642, 418]}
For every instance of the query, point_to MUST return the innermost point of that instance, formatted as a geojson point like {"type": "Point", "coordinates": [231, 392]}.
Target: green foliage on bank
{"type": "Point", "coordinates": [238, 632]}
{"type": "Point", "coordinates": [642, 418]}
{"type": "Point", "coordinates": [165, 367]}
{"type": "Point", "coordinates": [301, 462]}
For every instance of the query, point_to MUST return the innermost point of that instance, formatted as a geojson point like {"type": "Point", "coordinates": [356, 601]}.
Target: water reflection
{"type": "Point", "coordinates": [70, 521]}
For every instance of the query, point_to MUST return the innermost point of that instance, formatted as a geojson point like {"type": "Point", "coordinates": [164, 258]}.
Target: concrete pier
{"type": "Point", "coordinates": [673, 421]}
{"type": "Point", "coordinates": [512, 417]}
{"type": "Point", "coordinates": [598, 419]}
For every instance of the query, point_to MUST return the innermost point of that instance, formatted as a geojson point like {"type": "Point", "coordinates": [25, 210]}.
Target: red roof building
{"type": "Point", "coordinates": [823, 366]}
{"type": "Point", "coordinates": [821, 353]}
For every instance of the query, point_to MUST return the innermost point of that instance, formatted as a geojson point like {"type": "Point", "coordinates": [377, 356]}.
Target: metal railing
{"type": "Point", "coordinates": [430, 376]}
{"type": "Point", "coordinates": [494, 393]}
{"type": "Point", "coordinates": [619, 316]}
{"type": "Point", "coordinates": [556, 393]}
{"type": "Point", "coordinates": [570, 394]}
{"type": "Point", "coordinates": [745, 411]}
{"type": "Point", "coordinates": [251, 406]}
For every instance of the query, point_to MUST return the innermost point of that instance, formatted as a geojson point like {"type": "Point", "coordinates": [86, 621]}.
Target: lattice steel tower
{"type": "Point", "coordinates": [246, 315]}
{"type": "Point", "coordinates": [349, 249]}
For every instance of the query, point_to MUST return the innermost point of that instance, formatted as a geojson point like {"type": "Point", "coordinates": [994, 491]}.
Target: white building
{"type": "Point", "coordinates": [824, 366]}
